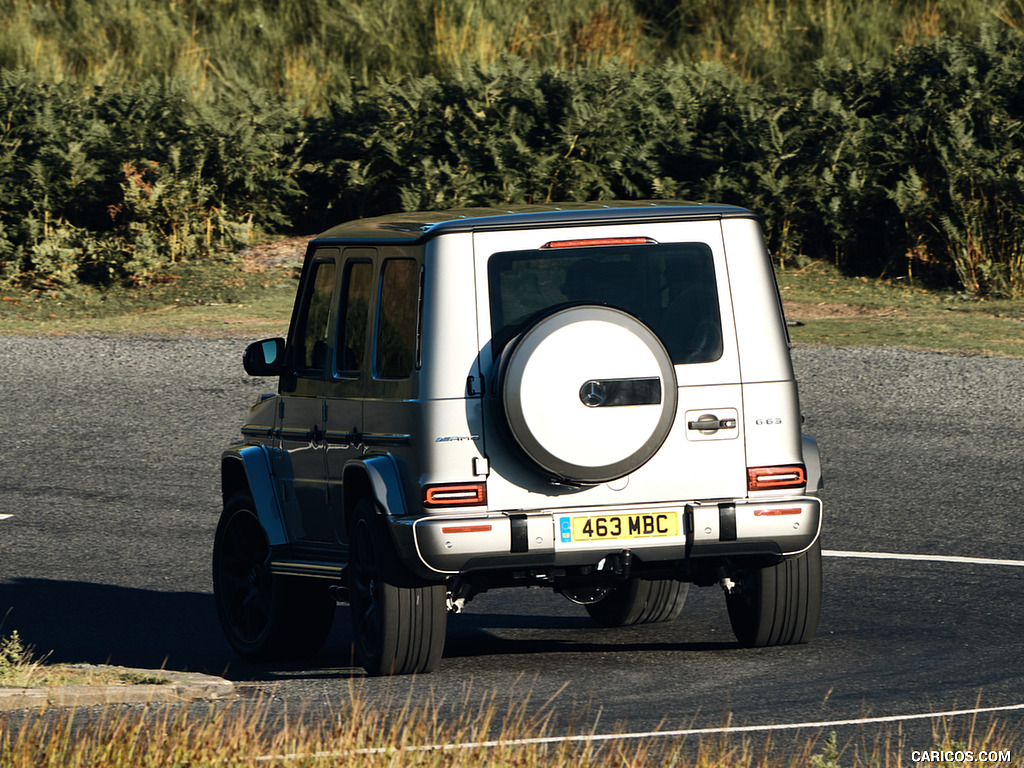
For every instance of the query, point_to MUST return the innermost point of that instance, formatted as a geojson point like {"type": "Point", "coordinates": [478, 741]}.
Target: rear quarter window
{"type": "Point", "coordinates": [397, 319]}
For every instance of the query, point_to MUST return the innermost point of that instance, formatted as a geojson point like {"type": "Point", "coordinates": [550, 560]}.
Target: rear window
{"type": "Point", "coordinates": [670, 287]}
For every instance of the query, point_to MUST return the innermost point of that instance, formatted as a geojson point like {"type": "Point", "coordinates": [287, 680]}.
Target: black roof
{"type": "Point", "coordinates": [411, 227]}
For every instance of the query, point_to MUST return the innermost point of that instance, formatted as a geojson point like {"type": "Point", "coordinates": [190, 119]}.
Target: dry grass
{"type": "Point", "coordinates": [305, 52]}
{"type": "Point", "coordinates": [483, 733]}
{"type": "Point", "coordinates": [39, 675]}
{"type": "Point", "coordinates": [21, 668]}
{"type": "Point", "coordinates": [369, 732]}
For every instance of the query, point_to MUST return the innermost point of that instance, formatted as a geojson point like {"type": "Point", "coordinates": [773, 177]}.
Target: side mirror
{"type": "Point", "coordinates": [264, 358]}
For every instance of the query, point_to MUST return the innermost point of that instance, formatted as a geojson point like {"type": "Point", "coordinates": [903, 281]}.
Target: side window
{"type": "Point", "coordinates": [355, 309]}
{"type": "Point", "coordinates": [397, 316]}
{"type": "Point", "coordinates": [311, 352]}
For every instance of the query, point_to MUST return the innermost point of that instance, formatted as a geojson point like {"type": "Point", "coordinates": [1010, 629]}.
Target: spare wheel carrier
{"type": "Point", "coordinates": [588, 393]}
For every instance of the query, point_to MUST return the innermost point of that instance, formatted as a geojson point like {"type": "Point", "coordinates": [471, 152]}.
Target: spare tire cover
{"type": "Point", "coordinates": [588, 393]}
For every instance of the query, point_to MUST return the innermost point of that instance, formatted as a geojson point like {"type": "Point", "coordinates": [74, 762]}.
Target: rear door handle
{"type": "Point", "coordinates": [335, 437]}
{"type": "Point", "coordinates": [711, 423]}
{"type": "Point", "coordinates": [316, 436]}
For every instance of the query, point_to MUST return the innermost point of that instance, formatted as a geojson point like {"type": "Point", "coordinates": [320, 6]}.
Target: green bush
{"type": "Point", "coordinates": [962, 188]}
{"type": "Point", "coordinates": [911, 167]}
{"type": "Point", "coordinates": [116, 184]}
{"type": "Point", "coordinates": [938, 172]}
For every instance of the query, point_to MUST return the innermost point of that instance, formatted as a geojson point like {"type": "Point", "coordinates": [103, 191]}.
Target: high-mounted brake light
{"type": "Point", "coordinates": [462, 495]}
{"type": "Point", "coordinates": [774, 478]}
{"type": "Point", "coordinates": [599, 241]}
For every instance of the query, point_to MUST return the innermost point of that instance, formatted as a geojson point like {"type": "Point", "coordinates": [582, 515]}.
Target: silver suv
{"type": "Point", "coordinates": [597, 398]}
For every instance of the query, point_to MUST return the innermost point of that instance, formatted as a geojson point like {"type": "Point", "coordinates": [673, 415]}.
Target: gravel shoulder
{"type": "Point", "coordinates": [176, 688]}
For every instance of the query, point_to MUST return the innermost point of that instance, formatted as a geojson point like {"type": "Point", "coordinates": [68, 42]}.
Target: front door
{"type": "Point", "coordinates": [302, 404]}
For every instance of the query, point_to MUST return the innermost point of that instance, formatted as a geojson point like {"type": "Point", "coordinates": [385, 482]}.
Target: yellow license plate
{"type": "Point", "coordinates": [639, 525]}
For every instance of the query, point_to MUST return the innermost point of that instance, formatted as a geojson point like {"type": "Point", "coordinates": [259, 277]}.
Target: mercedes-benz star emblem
{"type": "Point", "coordinates": [592, 394]}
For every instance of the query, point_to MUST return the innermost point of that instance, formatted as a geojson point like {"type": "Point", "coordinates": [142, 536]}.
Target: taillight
{"type": "Point", "coordinates": [462, 495]}
{"type": "Point", "coordinates": [775, 478]}
{"type": "Point", "coordinates": [599, 241]}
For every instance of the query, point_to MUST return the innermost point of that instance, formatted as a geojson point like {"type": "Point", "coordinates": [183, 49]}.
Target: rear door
{"type": "Point", "coordinates": [348, 379]}
{"type": "Point", "coordinates": [589, 397]}
{"type": "Point", "coordinates": [391, 411]}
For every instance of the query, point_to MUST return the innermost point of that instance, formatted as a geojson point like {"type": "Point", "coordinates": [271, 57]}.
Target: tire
{"type": "Point", "coordinates": [577, 375]}
{"type": "Point", "coordinates": [640, 602]}
{"type": "Point", "coordinates": [399, 624]}
{"type": "Point", "coordinates": [778, 604]}
{"type": "Point", "coordinates": [264, 617]}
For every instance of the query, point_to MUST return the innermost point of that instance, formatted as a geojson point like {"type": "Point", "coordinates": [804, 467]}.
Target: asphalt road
{"type": "Point", "coordinates": [109, 472]}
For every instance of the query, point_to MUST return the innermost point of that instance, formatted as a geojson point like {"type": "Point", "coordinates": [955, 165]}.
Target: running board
{"type": "Point", "coordinates": [306, 568]}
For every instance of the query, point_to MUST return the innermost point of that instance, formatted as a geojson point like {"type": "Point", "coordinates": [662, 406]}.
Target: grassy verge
{"type": "Point", "coordinates": [209, 300]}
{"type": "Point", "coordinates": [229, 300]}
{"type": "Point", "coordinates": [833, 309]}
{"type": "Point", "coordinates": [485, 733]}
{"type": "Point", "coordinates": [19, 668]}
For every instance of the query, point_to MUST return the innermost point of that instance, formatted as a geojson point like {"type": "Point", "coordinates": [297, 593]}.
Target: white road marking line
{"type": "Point", "coordinates": [597, 738]}
{"type": "Point", "coordinates": [922, 558]}
{"type": "Point", "coordinates": [4, 517]}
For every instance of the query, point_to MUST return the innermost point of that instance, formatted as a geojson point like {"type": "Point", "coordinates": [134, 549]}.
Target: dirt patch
{"type": "Point", "coordinates": [800, 311]}
{"type": "Point", "coordinates": [275, 254]}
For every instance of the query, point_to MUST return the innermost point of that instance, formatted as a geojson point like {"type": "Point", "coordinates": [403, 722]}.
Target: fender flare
{"type": "Point", "coordinates": [380, 476]}
{"type": "Point", "coordinates": [251, 464]}
{"type": "Point", "coordinates": [385, 483]}
{"type": "Point", "coordinates": [812, 463]}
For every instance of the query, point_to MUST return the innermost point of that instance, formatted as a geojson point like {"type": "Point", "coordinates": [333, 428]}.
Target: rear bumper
{"type": "Point", "coordinates": [455, 544]}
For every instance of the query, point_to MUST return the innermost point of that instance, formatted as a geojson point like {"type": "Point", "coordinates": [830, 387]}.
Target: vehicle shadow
{"type": "Point", "coordinates": [82, 622]}
{"type": "Point", "coordinates": [486, 635]}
